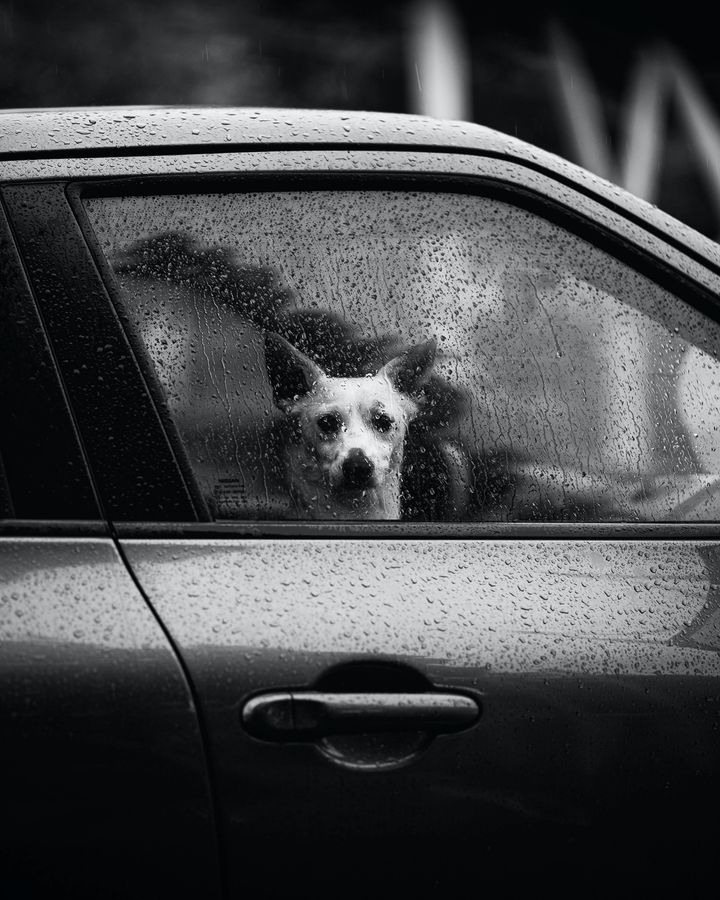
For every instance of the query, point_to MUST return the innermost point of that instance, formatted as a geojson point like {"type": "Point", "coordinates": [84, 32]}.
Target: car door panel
{"type": "Point", "coordinates": [597, 696]}
{"type": "Point", "coordinates": [103, 766]}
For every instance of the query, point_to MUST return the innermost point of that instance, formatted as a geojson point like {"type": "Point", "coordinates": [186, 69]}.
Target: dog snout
{"type": "Point", "coordinates": [357, 470]}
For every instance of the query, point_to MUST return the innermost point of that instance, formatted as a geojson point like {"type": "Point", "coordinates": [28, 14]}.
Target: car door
{"type": "Point", "coordinates": [519, 677]}
{"type": "Point", "coordinates": [104, 780]}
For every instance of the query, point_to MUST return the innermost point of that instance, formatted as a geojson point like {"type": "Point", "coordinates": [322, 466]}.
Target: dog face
{"type": "Point", "coordinates": [350, 432]}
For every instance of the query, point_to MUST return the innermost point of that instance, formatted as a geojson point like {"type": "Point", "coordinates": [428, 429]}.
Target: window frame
{"type": "Point", "coordinates": [576, 219]}
{"type": "Point", "coordinates": [139, 475]}
{"type": "Point", "coordinates": [47, 490]}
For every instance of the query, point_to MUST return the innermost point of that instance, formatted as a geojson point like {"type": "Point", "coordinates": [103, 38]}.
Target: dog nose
{"type": "Point", "coordinates": [357, 469]}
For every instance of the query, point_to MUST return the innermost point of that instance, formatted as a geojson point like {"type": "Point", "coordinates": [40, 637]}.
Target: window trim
{"type": "Point", "coordinates": [63, 488]}
{"type": "Point", "coordinates": [141, 472]}
{"type": "Point", "coordinates": [399, 530]}
{"type": "Point", "coordinates": [60, 528]}
{"type": "Point", "coordinates": [139, 352]}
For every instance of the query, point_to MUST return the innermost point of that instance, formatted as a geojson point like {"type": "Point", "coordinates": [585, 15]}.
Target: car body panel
{"type": "Point", "coordinates": [596, 662]}
{"type": "Point", "coordinates": [101, 746]}
{"type": "Point", "coordinates": [627, 603]}
{"type": "Point", "coordinates": [592, 649]}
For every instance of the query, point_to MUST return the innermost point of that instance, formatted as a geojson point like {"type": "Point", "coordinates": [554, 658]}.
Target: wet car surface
{"type": "Point", "coordinates": [208, 688]}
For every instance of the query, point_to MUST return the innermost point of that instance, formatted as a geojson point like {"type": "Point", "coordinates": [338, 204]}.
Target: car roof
{"type": "Point", "coordinates": [75, 132]}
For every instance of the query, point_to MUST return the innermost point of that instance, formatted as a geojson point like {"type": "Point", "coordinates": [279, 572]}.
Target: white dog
{"type": "Point", "coordinates": [344, 458]}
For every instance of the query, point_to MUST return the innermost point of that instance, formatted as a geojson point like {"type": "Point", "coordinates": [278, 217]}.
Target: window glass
{"type": "Point", "coordinates": [440, 357]}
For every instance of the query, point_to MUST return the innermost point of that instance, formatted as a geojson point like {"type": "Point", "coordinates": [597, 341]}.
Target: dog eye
{"type": "Point", "coordinates": [329, 424]}
{"type": "Point", "coordinates": [382, 422]}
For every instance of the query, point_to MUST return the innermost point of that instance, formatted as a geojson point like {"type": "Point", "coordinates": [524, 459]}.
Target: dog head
{"type": "Point", "coordinates": [349, 433]}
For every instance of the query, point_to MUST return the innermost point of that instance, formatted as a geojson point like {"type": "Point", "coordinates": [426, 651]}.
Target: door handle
{"type": "Point", "coordinates": [310, 715]}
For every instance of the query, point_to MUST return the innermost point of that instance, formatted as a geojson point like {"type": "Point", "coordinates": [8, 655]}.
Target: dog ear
{"type": "Point", "coordinates": [291, 373]}
{"type": "Point", "coordinates": [409, 371]}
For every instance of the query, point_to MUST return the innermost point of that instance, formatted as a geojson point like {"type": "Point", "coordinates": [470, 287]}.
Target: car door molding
{"type": "Point", "coordinates": [289, 530]}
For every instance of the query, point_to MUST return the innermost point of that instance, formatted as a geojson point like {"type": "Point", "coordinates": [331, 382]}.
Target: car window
{"type": "Point", "coordinates": [526, 373]}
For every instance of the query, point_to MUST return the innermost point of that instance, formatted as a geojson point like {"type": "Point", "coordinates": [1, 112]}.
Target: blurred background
{"type": "Point", "coordinates": [629, 90]}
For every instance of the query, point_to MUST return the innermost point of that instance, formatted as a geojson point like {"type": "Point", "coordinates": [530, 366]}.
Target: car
{"type": "Point", "coordinates": [223, 672]}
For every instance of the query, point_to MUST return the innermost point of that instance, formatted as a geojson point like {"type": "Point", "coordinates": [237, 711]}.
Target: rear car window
{"type": "Point", "coordinates": [565, 385]}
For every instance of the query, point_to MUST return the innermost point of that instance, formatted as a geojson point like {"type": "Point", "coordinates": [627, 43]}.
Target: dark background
{"type": "Point", "coordinates": [359, 54]}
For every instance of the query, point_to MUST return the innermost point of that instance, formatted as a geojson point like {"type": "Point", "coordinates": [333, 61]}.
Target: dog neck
{"type": "Point", "coordinates": [319, 501]}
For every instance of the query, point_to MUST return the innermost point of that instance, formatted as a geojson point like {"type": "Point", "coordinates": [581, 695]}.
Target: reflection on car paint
{"type": "Point", "coordinates": [101, 744]}
{"type": "Point", "coordinates": [72, 591]}
{"type": "Point", "coordinates": [506, 606]}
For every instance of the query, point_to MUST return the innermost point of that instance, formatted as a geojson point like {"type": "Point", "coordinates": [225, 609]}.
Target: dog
{"type": "Point", "coordinates": [344, 452]}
